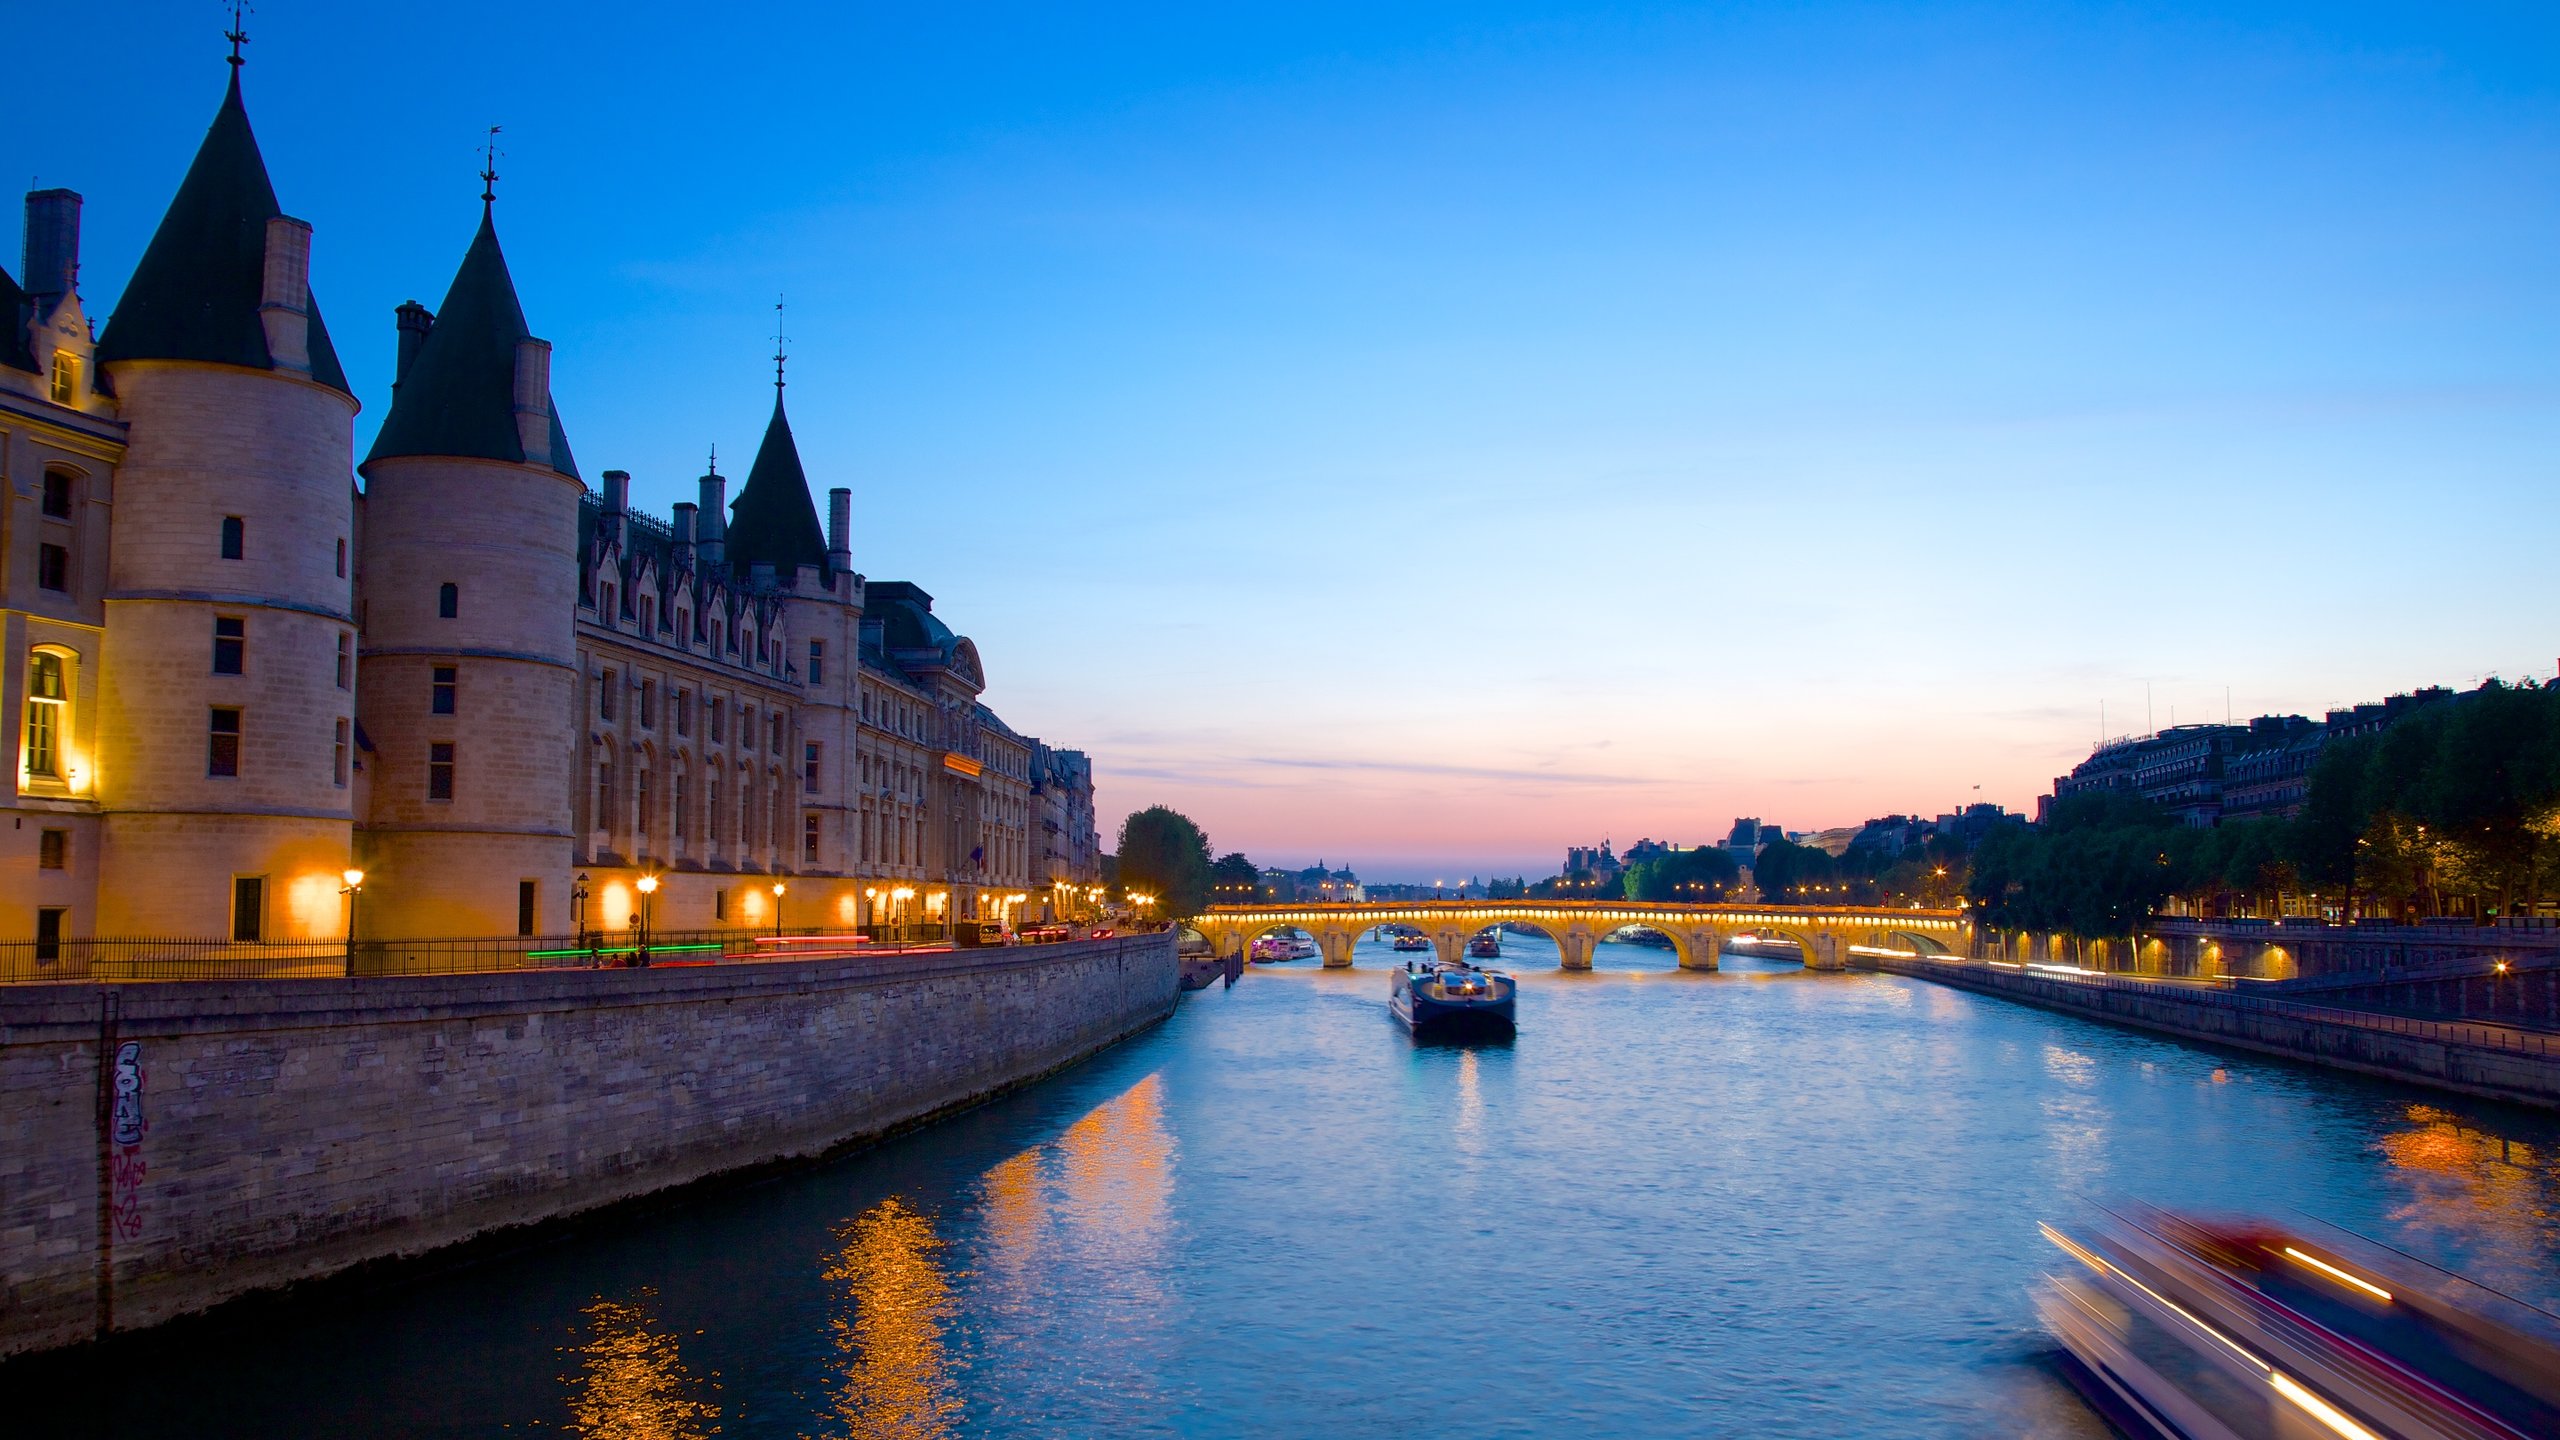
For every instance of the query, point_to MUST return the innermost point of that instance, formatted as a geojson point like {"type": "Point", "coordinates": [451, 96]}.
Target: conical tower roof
{"type": "Point", "coordinates": [195, 295]}
{"type": "Point", "coordinates": [773, 521]}
{"type": "Point", "coordinates": [458, 395]}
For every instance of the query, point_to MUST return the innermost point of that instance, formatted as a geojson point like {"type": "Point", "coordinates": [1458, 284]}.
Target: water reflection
{"type": "Point", "coordinates": [631, 1383]}
{"type": "Point", "coordinates": [897, 1382]}
{"type": "Point", "coordinates": [2484, 1194]}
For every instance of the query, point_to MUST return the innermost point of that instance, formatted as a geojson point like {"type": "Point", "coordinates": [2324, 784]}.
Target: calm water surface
{"type": "Point", "coordinates": [1763, 1202]}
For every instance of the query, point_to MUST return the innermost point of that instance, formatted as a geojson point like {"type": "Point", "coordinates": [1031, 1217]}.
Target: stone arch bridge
{"type": "Point", "coordinates": [1698, 932]}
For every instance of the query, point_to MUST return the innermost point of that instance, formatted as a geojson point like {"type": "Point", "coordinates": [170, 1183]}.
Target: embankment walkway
{"type": "Point", "coordinates": [2501, 1062]}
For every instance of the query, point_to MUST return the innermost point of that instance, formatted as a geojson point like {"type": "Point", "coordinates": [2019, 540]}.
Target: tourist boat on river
{"type": "Point", "coordinates": [2230, 1329]}
{"type": "Point", "coordinates": [1280, 949]}
{"type": "Point", "coordinates": [1408, 940]}
{"type": "Point", "coordinates": [1441, 997]}
{"type": "Point", "coordinates": [1487, 946]}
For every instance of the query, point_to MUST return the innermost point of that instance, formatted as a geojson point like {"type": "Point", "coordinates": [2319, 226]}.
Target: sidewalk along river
{"type": "Point", "coordinates": [1759, 1202]}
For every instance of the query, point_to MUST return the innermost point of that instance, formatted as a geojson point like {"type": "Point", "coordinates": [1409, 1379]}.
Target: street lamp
{"type": "Point", "coordinates": [578, 907]}
{"type": "Point", "coordinates": [777, 909]}
{"type": "Point", "coordinates": [648, 885]}
{"type": "Point", "coordinates": [353, 884]}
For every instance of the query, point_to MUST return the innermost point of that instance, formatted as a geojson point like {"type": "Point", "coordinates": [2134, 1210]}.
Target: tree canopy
{"type": "Point", "coordinates": [1234, 880]}
{"type": "Point", "coordinates": [1162, 853]}
{"type": "Point", "coordinates": [1684, 877]}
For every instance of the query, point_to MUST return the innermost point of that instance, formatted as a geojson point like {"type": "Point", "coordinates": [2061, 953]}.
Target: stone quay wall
{"type": "Point", "coordinates": [165, 1147]}
{"type": "Point", "coordinates": [2496, 1061]}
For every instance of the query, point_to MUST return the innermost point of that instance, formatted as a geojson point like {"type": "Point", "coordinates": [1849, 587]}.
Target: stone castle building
{"type": "Point", "coordinates": [504, 697]}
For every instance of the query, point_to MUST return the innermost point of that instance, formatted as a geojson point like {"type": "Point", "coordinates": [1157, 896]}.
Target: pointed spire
{"type": "Point", "coordinates": [780, 344]}
{"type": "Point", "coordinates": [774, 522]}
{"type": "Point", "coordinates": [196, 295]}
{"type": "Point", "coordinates": [489, 172]}
{"type": "Point", "coordinates": [458, 395]}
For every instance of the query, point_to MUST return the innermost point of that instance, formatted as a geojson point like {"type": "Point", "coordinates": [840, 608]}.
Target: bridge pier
{"type": "Point", "coordinates": [1336, 945]}
{"type": "Point", "coordinates": [1702, 950]}
{"type": "Point", "coordinates": [1577, 945]}
{"type": "Point", "coordinates": [1826, 953]}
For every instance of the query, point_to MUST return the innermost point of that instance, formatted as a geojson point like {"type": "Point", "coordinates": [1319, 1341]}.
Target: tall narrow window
{"type": "Point", "coordinates": [53, 850]}
{"type": "Point", "coordinates": [49, 920]}
{"type": "Point", "coordinates": [719, 904]}
{"type": "Point", "coordinates": [640, 793]}
{"type": "Point", "coordinates": [719, 720]}
{"type": "Point", "coordinates": [809, 838]}
{"type": "Point", "coordinates": [342, 557]}
{"type": "Point", "coordinates": [648, 614]}
{"type": "Point", "coordinates": [527, 892]}
{"type": "Point", "coordinates": [680, 798]}
{"type": "Point", "coordinates": [649, 704]}
{"type": "Point", "coordinates": [606, 609]}
{"type": "Point", "coordinates": [57, 494]}
{"type": "Point", "coordinates": [711, 811]}
{"type": "Point", "coordinates": [440, 770]}
{"type": "Point", "coordinates": [222, 743]}
{"type": "Point", "coordinates": [604, 794]}
{"type": "Point", "coordinates": [448, 600]}
{"type": "Point", "coordinates": [809, 767]}
{"type": "Point", "coordinates": [605, 690]}
{"type": "Point", "coordinates": [817, 662]}
{"type": "Point", "coordinates": [684, 712]}
{"type": "Point", "coordinates": [747, 726]}
{"type": "Point", "coordinates": [777, 733]}
{"type": "Point", "coordinates": [248, 907]}
{"type": "Point", "coordinates": [235, 537]}
{"type": "Point", "coordinates": [66, 378]}
{"type": "Point", "coordinates": [48, 700]}
{"type": "Point", "coordinates": [230, 645]}
{"type": "Point", "coordinates": [440, 690]}
{"type": "Point", "coordinates": [346, 661]}
{"type": "Point", "coordinates": [338, 756]}
{"type": "Point", "coordinates": [53, 567]}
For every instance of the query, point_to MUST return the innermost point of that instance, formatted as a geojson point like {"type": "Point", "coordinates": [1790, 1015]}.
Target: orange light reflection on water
{"type": "Point", "coordinates": [2492, 1196]}
{"type": "Point", "coordinates": [631, 1382]}
{"type": "Point", "coordinates": [897, 1381]}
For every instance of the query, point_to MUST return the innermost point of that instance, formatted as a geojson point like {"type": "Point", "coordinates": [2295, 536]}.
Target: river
{"type": "Point", "coordinates": [1761, 1202]}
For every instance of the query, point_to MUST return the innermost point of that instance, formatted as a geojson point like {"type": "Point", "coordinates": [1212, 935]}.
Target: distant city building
{"type": "Point", "coordinates": [1600, 864]}
{"type": "Point", "coordinates": [1833, 842]}
{"type": "Point", "coordinates": [2205, 774]}
{"type": "Point", "coordinates": [1749, 836]}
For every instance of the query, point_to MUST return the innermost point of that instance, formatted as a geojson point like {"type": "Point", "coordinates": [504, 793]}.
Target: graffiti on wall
{"type": "Point", "coordinates": [126, 1127]}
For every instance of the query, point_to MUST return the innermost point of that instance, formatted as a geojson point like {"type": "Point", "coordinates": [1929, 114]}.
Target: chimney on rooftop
{"type": "Point", "coordinates": [840, 529]}
{"type": "Point", "coordinates": [53, 242]}
{"type": "Point", "coordinates": [533, 400]}
{"type": "Point", "coordinates": [415, 321]}
{"type": "Point", "coordinates": [711, 527]}
{"type": "Point", "coordinates": [285, 294]}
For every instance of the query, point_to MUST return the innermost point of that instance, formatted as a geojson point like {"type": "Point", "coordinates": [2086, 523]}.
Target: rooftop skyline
{"type": "Point", "coordinates": [1432, 439]}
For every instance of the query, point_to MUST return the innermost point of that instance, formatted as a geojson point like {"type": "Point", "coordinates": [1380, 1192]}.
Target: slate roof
{"type": "Point", "coordinates": [773, 521]}
{"type": "Point", "coordinates": [458, 396]}
{"type": "Point", "coordinates": [195, 295]}
{"type": "Point", "coordinates": [13, 307]}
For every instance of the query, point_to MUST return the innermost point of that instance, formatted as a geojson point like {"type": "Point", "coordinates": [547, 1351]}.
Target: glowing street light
{"type": "Point", "coordinates": [352, 883]}
{"type": "Point", "coordinates": [647, 886]}
{"type": "Point", "coordinates": [777, 909]}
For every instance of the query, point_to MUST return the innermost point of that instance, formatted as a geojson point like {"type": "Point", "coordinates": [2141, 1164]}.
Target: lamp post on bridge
{"type": "Point", "coordinates": [352, 885]}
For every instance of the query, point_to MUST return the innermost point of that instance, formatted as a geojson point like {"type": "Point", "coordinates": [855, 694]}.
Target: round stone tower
{"type": "Point", "coordinates": [470, 644]}
{"type": "Point", "coordinates": [226, 696]}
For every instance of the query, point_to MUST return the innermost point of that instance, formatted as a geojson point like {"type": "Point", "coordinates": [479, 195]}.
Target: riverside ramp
{"type": "Point", "coordinates": [168, 1146]}
{"type": "Point", "coordinates": [2497, 1061]}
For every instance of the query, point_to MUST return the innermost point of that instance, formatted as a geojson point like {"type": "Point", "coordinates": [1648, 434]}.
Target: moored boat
{"type": "Point", "coordinates": [1407, 940]}
{"type": "Point", "coordinates": [1487, 946]}
{"type": "Point", "coordinates": [1441, 997]}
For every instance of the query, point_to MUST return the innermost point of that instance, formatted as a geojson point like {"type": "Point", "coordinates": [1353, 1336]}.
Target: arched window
{"type": "Point", "coordinates": [58, 487]}
{"type": "Point", "coordinates": [448, 600]}
{"type": "Point", "coordinates": [48, 720]}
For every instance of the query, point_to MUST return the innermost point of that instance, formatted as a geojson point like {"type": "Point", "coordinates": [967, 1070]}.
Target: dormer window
{"type": "Point", "coordinates": [648, 614]}
{"type": "Point", "coordinates": [605, 610]}
{"type": "Point", "coordinates": [66, 378]}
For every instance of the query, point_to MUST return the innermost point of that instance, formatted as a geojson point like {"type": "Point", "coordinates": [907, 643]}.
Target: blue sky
{"type": "Point", "coordinates": [1426, 436]}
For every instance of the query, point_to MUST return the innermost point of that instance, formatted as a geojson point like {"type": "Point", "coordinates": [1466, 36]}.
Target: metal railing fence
{"type": "Point", "coordinates": [115, 960]}
{"type": "Point", "coordinates": [2448, 1032]}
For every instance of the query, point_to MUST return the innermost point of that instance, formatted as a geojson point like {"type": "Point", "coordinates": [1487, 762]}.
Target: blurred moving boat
{"type": "Point", "coordinates": [1441, 997]}
{"type": "Point", "coordinates": [2239, 1329]}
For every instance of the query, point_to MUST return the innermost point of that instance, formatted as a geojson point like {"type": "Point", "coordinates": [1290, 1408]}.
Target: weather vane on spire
{"type": "Point", "coordinates": [780, 342]}
{"type": "Point", "coordinates": [238, 34]}
{"type": "Point", "coordinates": [715, 459]}
{"type": "Point", "coordinates": [489, 169]}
